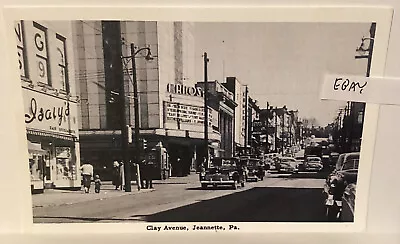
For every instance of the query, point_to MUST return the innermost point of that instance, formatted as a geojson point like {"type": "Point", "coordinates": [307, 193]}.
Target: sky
{"type": "Point", "coordinates": [282, 63]}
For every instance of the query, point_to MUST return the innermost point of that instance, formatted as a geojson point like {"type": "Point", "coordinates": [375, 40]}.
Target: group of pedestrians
{"type": "Point", "coordinates": [147, 173]}
{"type": "Point", "coordinates": [87, 176]}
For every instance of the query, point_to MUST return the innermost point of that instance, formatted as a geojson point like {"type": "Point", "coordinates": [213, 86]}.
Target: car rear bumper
{"type": "Point", "coordinates": [214, 182]}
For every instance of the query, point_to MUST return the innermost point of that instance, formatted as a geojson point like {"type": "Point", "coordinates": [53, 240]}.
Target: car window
{"type": "Point", "coordinates": [351, 164]}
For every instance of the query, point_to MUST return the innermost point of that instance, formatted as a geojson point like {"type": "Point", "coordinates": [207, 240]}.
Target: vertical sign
{"type": "Point", "coordinates": [20, 47]}
{"type": "Point", "coordinates": [40, 45]}
{"type": "Point", "coordinates": [61, 60]}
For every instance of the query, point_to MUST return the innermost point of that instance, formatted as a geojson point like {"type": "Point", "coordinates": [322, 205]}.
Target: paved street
{"type": "Point", "coordinates": [280, 197]}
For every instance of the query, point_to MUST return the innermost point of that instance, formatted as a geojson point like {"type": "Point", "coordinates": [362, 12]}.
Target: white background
{"type": "Point", "coordinates": [383, 220]}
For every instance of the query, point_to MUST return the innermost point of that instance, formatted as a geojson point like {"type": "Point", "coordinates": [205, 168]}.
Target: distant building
{"type": "Point", "coordinates": [222, 101]}
{"type": "Point", "coordinates": [241, 97]}
{"type": "Point", "coordinates": [51, 106]}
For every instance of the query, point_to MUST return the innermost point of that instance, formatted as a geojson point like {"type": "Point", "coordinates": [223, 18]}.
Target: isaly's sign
{"type": "Point", "coordinates": [47, 113]}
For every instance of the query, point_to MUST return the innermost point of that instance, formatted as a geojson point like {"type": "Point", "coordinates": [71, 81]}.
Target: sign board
{"type": "Point", "coordinates": [189, 114]}
{"type": "Point", "coordinates": [51, 114]}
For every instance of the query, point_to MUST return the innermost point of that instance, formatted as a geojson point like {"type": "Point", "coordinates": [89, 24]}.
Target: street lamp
{"type": "Point", "coordinates": [125, 143]}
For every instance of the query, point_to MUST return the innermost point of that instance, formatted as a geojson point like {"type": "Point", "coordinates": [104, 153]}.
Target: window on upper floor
{"type": "Point", "coordinates": [21, 48]}
{"type": "Point", "coordinates": [42, 54]}
{"type": "Point", "coordinates": [62, 71]}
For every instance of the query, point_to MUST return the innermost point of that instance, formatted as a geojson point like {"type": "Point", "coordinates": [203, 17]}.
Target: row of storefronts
{"type": "Point", "coordinates": [72, 116]}
{"type": "Point", "coordinates": [50, 108]}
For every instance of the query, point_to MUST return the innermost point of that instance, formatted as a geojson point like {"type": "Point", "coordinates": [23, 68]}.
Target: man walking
{"type": "Point", "coordinates": [87, 174]}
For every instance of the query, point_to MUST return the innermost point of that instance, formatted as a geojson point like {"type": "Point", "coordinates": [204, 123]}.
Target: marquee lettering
{"type": "Point", "coordinates": [185, 90]}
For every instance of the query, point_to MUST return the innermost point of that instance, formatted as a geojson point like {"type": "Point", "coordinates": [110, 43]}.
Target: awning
{"type": "Point", "coordinates": [48, 134]}
{"type": "Point", "coordinates": [35, 148]}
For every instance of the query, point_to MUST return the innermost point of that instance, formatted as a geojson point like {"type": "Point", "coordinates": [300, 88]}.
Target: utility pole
{"type": "Point", "coordinates": [246, 118]}
{"type": "Point", "coordinates": [206, 60]}
{"type": "Point", "coordinates": [136, 111]}
{"type": "Point", "coordinates": [283, 130]}
{"type": "Point", "coordinates": [276, 130]}
{"type": "Point", "coordinates": [267, 130]}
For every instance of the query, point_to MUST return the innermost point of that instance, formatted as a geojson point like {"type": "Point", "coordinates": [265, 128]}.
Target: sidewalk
{"type": "Point", "coordinates": [53, 197]}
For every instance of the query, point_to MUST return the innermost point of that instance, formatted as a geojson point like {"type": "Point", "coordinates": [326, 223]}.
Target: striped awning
{"type": "Point", "coordinates": [51, 134]}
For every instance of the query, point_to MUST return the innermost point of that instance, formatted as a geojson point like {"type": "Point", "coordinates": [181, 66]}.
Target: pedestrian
{"type": "Point", "coordinates": [97, 184]}
{"type": "Point", "coordinates": [116, 181]}
{"type": "Point", "coordinates": [150, 168]}
{"type": "Point", "coordinates": [87, 174]}
{"type": "Point", "coordinates": [122, 175]}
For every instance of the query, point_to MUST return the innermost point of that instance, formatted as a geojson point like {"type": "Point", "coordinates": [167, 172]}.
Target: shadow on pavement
{"type": "Point", "coordinates": [308, 175]}
{"type": "Point", "coordinates": [259, 204]}
{"type": "Point", "coordinates": [85, 219]}
{"type": "Point", "coordinates": [210, 188]}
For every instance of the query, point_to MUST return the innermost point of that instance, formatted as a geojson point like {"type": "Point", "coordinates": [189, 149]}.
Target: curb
{"type": "Point", "coordinates": [92, 199]}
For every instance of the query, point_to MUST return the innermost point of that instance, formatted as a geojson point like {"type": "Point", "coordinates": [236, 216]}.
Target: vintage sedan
{"type": "Point", "coordinates": [348, 203]}
{"type": "Point", "coordinates": [287, 165]}
{"type": "Point", "coordinates": [223, 172]}
{"type": "Point", "coordinates": [255, 169]}
{"type": "Point", "coordinates": [341, 183]}
{"type": "Point", "coordinates": [313, 164]}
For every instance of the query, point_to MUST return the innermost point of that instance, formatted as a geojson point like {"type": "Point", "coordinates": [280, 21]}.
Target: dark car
{"type": "Point", "coordinates": [344, 175]}
{"type": "Point", "coordinates": [349, 200]}
{"type": "Point", "coordinates": [255, 169]}
{"type": "Point", "coordinates": [223, 172]}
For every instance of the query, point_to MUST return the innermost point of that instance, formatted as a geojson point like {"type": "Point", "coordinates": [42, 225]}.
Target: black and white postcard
{"type": "Point", "coordinates": [188, 125]}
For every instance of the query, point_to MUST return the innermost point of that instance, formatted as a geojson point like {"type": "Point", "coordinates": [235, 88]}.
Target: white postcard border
{"type": "Point", "coordinates": [22, 198]}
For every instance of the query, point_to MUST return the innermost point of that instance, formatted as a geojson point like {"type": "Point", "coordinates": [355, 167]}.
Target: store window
{"type": "Point", "coordinates": [36, 166]}
{"type": "Point", "coordinates": [62, 72]}
{"type": "Point", "coordinates": [20, 35]}
{"type": "Point", "coordinates": [42, 54]}
{"type": "Point", "coordinates": [66, 168]}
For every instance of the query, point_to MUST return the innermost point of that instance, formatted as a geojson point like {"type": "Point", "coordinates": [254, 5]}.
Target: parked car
{"type": "Point", "coordinates": [313, 164]}
{"type": "Point", "coordinates": [255, 169]}
{"type": "Point", "coordinates": [223, 172]}
{"type": "Point", "coordinates": [339, 182]}
{"type": "Point", "coordinates": [348, 200]}
{"type": "Point", "coordinates": [287, 164]}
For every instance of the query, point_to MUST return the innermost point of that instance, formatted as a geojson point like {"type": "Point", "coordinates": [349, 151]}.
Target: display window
{"type": "Point", "coordinates": [36, 166]}
{"type": "Point", "coordinates": [65, 166]}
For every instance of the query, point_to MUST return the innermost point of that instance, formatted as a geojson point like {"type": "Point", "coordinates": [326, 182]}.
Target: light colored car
{"type": "Point", "coordinates": [313, 164]}
{"type": "Point", "coordinates": [287, 164]}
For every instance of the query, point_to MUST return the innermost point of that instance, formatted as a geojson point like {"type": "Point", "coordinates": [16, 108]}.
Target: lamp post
{"type": "Point", "coordinates": [136, 111]}
{"type": "Point", "coordinates": [206, 60]}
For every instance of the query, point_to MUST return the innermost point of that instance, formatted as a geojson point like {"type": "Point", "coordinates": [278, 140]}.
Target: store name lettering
{"type": "Point", "coordinates": [43, 114]}
{"type": "Point", "coordinates": [185, 90]}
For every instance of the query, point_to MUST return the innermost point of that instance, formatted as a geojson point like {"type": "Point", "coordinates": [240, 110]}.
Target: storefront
{"type": "Point", "coordinates": [51, 126]}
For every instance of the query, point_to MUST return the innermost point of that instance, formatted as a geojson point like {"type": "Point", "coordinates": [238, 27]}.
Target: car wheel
{"type": "Point", "coordinates": [204, 186]}
{"type": "Point", "coordinates": [331, 214]}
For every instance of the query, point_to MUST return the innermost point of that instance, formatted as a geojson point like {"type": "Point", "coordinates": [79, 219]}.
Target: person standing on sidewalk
{"type": "Point", "coordinates": [116, 180]}
{"type": "Point", "coordinates": [122, 175]}
{"type": "Point", "coordinates": [97, 184]}
{"type": "Point", "coordinates": [87, 174]}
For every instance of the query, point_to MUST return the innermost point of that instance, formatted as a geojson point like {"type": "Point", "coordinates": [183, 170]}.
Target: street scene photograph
{"type": "Point", "coordinates": [151, 121]}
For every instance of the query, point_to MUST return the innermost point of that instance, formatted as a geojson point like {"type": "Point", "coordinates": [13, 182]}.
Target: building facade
{"type": "Point", "coordinates": [171, 108]}
{"type": "Point", "coordinates": [50, 101]}
{"type": "Point", "coordinates": [241, 116]}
